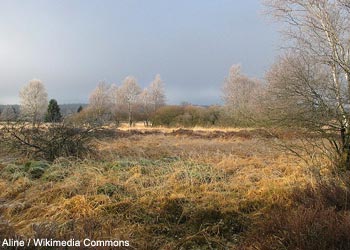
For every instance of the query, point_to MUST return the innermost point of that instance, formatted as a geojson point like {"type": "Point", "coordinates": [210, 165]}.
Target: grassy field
{"type": "Point", "coordinates": [179, 189]}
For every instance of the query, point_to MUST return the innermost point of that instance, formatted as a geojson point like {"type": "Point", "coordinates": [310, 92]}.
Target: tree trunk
{"type": "Point", "coordinates": [347, 161]}
{"type": "Point", "coordinates": [344, 153]}
{"type": "Point", "coordinates": [346, 149]}
{"type": "Point", "coordinates": [130, 114]}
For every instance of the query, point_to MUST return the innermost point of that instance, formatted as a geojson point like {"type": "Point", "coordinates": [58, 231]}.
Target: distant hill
{"type": "Point", "coordinates": [15, 106]}
{"type": "Point", "coordinates": [66, 109]}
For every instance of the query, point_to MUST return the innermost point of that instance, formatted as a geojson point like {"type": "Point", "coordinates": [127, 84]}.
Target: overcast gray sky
{"type": "Point", "coordinates": [73, 44]}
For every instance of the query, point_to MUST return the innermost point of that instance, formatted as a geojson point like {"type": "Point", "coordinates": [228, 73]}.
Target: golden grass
{"type": "Point", "coordinates": [141, 126]}
{"type": "Point", "coordinates": [163, 191]}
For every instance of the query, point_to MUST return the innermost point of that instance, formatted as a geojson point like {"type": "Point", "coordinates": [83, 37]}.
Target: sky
{"type": "Point", "coordinates": [71, 45]}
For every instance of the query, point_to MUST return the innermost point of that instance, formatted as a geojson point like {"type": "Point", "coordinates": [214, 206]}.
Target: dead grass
{"type": "Point", "coordinates": [180, 191]}
{"type": "Point", "coordinates": [142, 127]}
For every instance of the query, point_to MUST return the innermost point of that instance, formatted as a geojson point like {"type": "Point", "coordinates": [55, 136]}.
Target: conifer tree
{"type": "Point", "coordinates": [53, 112]}
{"type": "Point", "coordinates": [80, 109]}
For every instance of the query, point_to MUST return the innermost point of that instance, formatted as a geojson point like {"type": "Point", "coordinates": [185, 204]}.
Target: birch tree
{"type": "Point", "coordinates": [240, 93]}
{"type": "Point", "coordinates": [33, 99]}
{"type": "Point", "coordinates": [100, 102]}
{"type": "Point", "coordinates": [319, 32]}
{"type": "Point", "coordinates": [156, 93]}
{"type": "Point", "coordinates": [114, 95]}
{"type": "Point", "coordinates": [128, 92]}
{"type": "Point", "coordinates": [147, 104]}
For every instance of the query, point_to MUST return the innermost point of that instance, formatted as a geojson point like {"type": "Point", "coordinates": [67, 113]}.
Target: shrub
{"type": "Point", "coordinates": [89, 116]}
{"type": "Point", "coordinates": [50, 142]}
{"type": "Point", "coordinates": [166, 116]}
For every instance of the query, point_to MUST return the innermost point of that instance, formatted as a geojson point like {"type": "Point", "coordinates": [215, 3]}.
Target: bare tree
{"type": "Point", "coordinates": [298, 93]}
{"type": "Point", "coordinates": [129, 91]}
{"type": "Point", "coordinates": [240, 92]}
{"type": "Point", "coordinates": [114, 95]}
{"type": "Point", "coordinates": [319, 33]}
{"type": "Point", "coordinates": [147, 104]}
{"type": "Point", "coordinates": [117, 103]}
{"type": "Point", "coordinates": [100, 97]}
{"type": "Point", "coordinates": [100, 102]}
{"type": "Point", "coordinates": [156, 93]}
{"type": "Point", "coordinates": [33, 98]}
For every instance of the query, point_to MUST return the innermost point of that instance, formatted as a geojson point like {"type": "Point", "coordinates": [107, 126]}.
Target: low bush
{"type": "Point", "coordinates": [51, 141]}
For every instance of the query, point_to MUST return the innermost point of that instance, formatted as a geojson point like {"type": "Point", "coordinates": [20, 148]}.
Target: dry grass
{"type": "Point", "coordinates": [141, 126]}
{"type": "Point", "coordinates": [167, 190]}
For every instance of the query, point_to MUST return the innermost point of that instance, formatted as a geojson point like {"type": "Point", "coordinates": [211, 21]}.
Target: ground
{"type": "Point", "coordinates": [178, 189]}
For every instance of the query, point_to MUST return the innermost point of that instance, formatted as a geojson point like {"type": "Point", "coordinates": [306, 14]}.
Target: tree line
{"type": "Point", "coordinates": [128, 102]}
{"type": "Point", "coordinates": [107, 102]}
